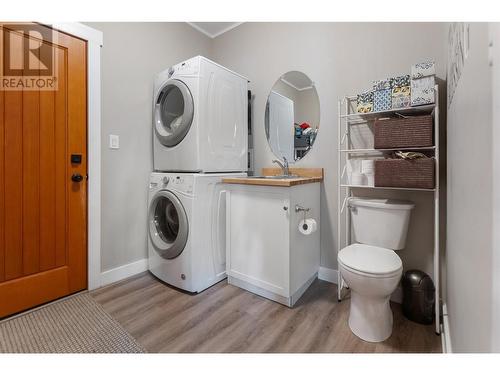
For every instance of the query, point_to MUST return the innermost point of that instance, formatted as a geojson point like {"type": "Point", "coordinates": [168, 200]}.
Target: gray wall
{"type": "Point", "coordinates": [305, 103]}
{"type": "Point", "coordinates": [469, 250]}
{"type": "Point", "coordinates": [307, 108]}
{"type": "Point", "coordinates": [341, 59]}
{"type": "Point", "coordinates": [132, 54]}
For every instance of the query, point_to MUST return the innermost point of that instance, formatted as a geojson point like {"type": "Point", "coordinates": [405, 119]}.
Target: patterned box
{"type": "Point", "coordinates": [422, 91]}
{"type": "Point", "coordinates": [424, 69]}
{"type": "Point", "coordinates": [400, 81]}
{"type": "Point", "coordinates": [365, 102]}
{"type": "Point", "coordinates": [422, 83]}
{"type": "Point", "coordinates": [401, 97]}
{"type": "Point", "coordinates": [382, 84]}
{"type": "Point", "coordinates": [382, 98]}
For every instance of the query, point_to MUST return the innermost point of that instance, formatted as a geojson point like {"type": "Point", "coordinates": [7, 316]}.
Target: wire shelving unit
{"type": "Point", "coordinates": [348, 117]}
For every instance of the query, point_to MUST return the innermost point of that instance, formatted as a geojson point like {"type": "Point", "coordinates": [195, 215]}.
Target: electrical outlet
{"type": "Point", "coordinates": [114, 141]}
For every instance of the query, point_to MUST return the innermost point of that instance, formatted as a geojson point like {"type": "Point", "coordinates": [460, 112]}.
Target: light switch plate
{"type": "Point", "coordinates": [114, 141]}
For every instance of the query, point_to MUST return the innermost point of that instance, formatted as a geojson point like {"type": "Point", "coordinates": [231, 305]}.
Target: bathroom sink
{"type": "Point", "coordinates": [278, 177]}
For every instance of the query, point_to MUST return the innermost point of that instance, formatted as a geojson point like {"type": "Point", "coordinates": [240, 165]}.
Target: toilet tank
{"type": "Point", "coordinates": [380, 222]}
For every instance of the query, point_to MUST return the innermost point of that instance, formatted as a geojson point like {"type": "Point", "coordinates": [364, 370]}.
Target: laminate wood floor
{"type": "Point", "coordinates": [225, 318]}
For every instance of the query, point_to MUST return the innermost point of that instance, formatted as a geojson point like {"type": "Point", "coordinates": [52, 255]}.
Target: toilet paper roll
{"type": "Point", "coordinates": [308, 226]}
{"type": "Point", "coordinates": [370, 179]}
{"type": "Point", "coordinates": [367, 166]}
{"type": "Point", "coordinates": [356, 178]}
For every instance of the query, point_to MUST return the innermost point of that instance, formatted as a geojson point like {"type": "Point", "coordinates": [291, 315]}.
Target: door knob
{"type": "Point", "coordinates": [76, 177]}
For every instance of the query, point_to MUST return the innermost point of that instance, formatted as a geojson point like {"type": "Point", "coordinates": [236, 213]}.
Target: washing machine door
{"type": "Point", "coordinates": [168, 224]}
{"type": "Point", "coordinates": [173, 112]}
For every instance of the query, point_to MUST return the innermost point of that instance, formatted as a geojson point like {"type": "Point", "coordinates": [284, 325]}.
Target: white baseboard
{"type": "Point", "coordinates": [122, 272]}
{"type": "Point", "coordinates": [445, 331]}
{"type": "Point", "coordinates": [330, 275]}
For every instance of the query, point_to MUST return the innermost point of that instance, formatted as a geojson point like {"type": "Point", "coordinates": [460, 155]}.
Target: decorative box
{"type": "Point", "coordinates": [365, 102]}
{"type": "Point", "coordinates": [401, 97]}
{"type": "Point", "coordinates": [424, 69]}
{"type": "Point", "coordinates": [422, 84]}
{"type": "Point", "coordinates": [382, 95]}
{"type": "Point", "coordinates": [422, 91]}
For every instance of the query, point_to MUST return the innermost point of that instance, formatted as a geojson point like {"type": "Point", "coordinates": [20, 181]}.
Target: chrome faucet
{"type": "Point", "coordinates": [283, 165]}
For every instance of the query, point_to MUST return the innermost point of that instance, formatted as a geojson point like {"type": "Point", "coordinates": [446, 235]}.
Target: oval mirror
{"type": "Point", "coordinates": [292, 116]}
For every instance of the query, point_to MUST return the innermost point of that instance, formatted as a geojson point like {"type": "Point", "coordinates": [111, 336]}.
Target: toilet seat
{"type": "Point", "coordinates": [370, 261]}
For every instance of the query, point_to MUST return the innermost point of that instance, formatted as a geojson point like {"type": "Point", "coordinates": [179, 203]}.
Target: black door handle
{"type": "Point", "coordinates": [77, 177]}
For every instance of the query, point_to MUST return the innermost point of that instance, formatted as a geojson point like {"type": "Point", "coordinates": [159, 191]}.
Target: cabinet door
{"type": "Point", "coordinates": [258, 239]}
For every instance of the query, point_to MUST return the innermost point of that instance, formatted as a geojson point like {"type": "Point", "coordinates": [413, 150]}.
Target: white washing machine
{"type": "Point", "coordinates": [200, 118]}
{"type": "Point", "coordinates": [187, 230]}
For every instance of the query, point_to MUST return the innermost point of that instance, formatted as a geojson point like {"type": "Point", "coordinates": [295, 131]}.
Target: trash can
{"type": "Point", "coordinates": [418, 297]}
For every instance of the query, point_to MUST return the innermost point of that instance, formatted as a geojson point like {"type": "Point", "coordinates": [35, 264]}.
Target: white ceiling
{"type": "Point", "coordinates": [214, 29]}
{"type": "Point", "coordinates": [298, 80]}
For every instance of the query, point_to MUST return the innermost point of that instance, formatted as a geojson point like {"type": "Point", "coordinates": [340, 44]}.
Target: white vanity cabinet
{"type": "Point", "coordinates": [265, 252]}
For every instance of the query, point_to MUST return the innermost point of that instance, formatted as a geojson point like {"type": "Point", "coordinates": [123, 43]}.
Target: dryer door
{"type": "Point", "coordinates": [168, 224]}
{"type": "Point", "coordinates": [173, 112]}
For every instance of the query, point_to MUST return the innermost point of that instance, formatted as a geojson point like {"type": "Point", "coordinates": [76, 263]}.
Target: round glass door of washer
{"type": "Point", "coordinates": [168, 225]}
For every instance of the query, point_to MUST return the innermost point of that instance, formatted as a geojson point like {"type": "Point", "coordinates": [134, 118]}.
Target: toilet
{"type": "Point", "coordinates": [370, 267]}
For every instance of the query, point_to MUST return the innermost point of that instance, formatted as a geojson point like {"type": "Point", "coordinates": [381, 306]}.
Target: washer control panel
{"type": "Point", "coordinates": [183, 183]}
{"type": "Point", "coordinates": [179, 182]}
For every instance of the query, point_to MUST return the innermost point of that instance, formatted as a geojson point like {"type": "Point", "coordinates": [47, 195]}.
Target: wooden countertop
{"type": "Point", "coordinates": [306, 176]}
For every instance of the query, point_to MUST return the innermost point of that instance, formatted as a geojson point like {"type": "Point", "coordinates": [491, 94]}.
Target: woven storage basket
{"type": "Point", "coordinates": [417, 173]}
{"type": "Point", "coordinates": [413, 131]}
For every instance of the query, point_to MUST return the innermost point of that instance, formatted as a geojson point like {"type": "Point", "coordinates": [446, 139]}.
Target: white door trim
{"type": "Point", "coordinates": [494, 51]}
{"type": "Point", "coordinates": [93, 38]}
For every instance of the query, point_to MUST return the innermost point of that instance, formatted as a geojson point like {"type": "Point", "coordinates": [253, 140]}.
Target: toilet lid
{"type": "Point", "coordinates": [370, 259]}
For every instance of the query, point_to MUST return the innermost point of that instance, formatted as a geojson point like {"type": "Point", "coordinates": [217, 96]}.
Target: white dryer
{"type": "Point", "coordinates": [200, 118]}
{"type": "Point", "coordinates": [186, 225]}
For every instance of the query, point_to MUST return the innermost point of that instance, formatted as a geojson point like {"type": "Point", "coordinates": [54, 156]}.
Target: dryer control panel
{"type": "Point", "coordinates": [188, 67]}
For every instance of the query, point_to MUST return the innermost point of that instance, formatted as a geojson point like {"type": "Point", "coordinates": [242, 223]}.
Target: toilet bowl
{"type": "Point", "coordinates": [371, 268]}
{"type": "Point", "coordinates": [372, 274]}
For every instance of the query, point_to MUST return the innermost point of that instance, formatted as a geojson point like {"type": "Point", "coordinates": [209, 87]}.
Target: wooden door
{"type": "Point", "coordinates": [43, 222]}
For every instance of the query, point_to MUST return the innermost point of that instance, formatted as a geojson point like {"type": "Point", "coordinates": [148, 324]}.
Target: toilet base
{"type": "Point", "coordinates": [370, 318]}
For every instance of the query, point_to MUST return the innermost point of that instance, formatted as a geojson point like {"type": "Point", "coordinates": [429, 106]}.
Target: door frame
{"type": "Point", "coordinates": [494, 56]}
{"type": "Point", "coordinates": [94, 39]}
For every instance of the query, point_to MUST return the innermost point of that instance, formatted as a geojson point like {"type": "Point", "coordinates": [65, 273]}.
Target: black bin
{"type": "Point", "coordinates": [418, 297]}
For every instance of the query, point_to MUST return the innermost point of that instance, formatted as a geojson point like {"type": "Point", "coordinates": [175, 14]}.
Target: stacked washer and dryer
{"type": "Point", "coordinates": [200, 135]}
